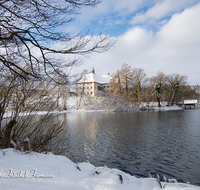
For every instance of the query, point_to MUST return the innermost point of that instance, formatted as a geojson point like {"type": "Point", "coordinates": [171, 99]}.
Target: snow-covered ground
{"type": "Point", "coordinates": [114, 104]}
{"type": "Point", "coordinates": [89, 104]}
{"type": "Point", "coordinates": [168, 108]}
{"type": "Point", "coordinates": [25, 171]}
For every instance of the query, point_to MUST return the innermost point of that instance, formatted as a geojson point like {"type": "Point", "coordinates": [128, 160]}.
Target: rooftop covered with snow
{"type": "Point", "coordinates": [190, 102]}
{"type": "Point", "coordinates": [93, 77]}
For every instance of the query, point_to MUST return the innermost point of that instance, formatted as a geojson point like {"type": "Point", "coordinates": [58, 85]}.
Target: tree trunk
{"type": "Point", "coordinates": [119, 82]}
{"type": "Point", "coordinates": [158, 100]}
{"type": "Point", "coordinates": [7, 134]}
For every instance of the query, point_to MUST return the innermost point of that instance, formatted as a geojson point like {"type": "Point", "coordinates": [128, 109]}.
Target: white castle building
{"type": "Point", "coordinates": [93, 84]}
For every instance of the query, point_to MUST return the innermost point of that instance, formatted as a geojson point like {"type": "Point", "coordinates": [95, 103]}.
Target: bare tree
{"type": "Point", "coordinates": [121, 80]}
{"type": "Point", "coordinates": [126, 77]}
{"type": "Point", "coordinates": [6, 90]}
{"type": "Point", "coordinates": [137, 82]}
{"type": "Point", "coordinates": [132, 85]}
{"type": "Point", "coordinates": [29, 29]}
{"type": "Point", "coordinates": [18, 96]}
{"type": "Point", "coordinates": [115, 85]}
{"type": "Point", "coordinates": [176, 83]}
{"type": "Point", "coordinates": [158, 83]}
{"type": "Point", "coordinates": [127, 83]}
{"type": "Point", "coordinates": [32, 33]}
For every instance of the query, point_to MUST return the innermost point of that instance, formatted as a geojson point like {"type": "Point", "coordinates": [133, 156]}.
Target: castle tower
{"type": "Point", "coordinates": [93, 71]}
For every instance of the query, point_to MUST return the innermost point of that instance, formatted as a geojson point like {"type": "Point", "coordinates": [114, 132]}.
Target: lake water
{"type": "Point", "coordinates": [167, 143]}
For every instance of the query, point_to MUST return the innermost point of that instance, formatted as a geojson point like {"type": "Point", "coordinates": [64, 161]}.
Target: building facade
{"type": "Point", "coordinates": [93, 84]}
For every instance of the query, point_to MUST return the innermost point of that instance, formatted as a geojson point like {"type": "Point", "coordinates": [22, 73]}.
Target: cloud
{"type": "Point", "coordinates": [116, 16]}
{"type": "Point", "coordinates": [160, 10]}
{"type": "Point", "coordinates": [129, 6]}
{"type": "Point", "coordinates": [108, 10]}
{"type": "Point", "coordinates": [175, 48]}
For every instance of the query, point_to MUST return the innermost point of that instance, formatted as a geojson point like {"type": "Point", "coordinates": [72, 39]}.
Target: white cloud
{"type": "Point", "coordinates": [129, 6]}
{"type": "Point", "coordinates": [109, 11]}
{"type": "Point", "coordinates": [109, 7]}
{"type": "Point", "coordinates": [174, 49]}
{"type": "Point", "coordinates": [161, 10]}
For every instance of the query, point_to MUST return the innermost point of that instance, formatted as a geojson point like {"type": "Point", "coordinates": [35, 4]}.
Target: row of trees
{"type": "Point", "coordinates": [133, 85]}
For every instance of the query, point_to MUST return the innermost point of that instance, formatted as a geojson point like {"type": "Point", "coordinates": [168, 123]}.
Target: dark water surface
{"type": "Point", "coordinates": [164, 142]}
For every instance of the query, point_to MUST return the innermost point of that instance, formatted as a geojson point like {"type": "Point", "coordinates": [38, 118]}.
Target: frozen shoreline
{"type": "Point", "coordinates": [47, 171]}
{"type": "Point", "coordinates": [170, 108]}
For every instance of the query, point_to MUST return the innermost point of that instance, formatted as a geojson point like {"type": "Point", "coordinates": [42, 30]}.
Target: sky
{"type": "Point", "coordinates": [156, 35]}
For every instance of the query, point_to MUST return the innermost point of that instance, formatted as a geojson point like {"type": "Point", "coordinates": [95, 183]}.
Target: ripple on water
{"type": "Point", "coordinates": [162, 142]}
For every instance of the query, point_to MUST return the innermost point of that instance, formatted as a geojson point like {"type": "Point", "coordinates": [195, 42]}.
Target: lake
{"type": "Point", "coordinates": [167, 143]}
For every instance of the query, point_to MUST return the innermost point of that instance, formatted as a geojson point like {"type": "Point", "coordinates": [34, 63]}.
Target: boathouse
{"type": "Point", "coordinates": [188, 104]}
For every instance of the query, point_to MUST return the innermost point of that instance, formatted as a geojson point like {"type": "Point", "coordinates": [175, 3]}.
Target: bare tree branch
{"type": "Point", "coordinates": [30, 28]}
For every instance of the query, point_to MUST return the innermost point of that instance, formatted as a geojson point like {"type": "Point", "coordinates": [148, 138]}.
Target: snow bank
{"type": "Point", "coordinates": [108, 104]}
{"type": "Point", "coordinates": [46, 171]}
{"type": "Point", "coordinates": [168, 108]}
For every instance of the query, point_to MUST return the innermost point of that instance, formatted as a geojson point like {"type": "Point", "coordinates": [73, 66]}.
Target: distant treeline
{"type": "Point", "coordinates": [133, 85]}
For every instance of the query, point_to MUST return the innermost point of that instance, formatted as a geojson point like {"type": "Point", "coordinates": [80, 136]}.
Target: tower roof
{"type": "Point", "coordinates": [93, 77]}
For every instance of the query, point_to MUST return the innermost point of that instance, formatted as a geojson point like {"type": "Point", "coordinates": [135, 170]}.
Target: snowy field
{"type": "Point", "coordinates": [25, 171]}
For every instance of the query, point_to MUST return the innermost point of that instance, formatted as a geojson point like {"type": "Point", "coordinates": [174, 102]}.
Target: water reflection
{"type": "Point", "coordinates": [163, 142]}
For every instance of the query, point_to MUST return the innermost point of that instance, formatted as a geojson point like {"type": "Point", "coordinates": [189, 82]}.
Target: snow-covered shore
{"type": "Point", "coordinates": [164, 108]}
{"type": "Point", "coordinates": [101, 104]}
{"type": "Point", "coordinates": [110, 104]}
{"type": "Point", "coordinates": [25, 171]}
